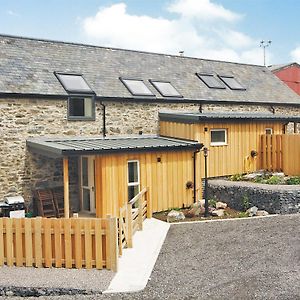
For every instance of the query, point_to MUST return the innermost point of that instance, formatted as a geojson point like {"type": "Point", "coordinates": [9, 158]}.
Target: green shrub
{"type": "Point", "coordinates": [273, 180]}
{"type": "Point", "coordinates": [243, 214]}
{"type": "Point", "coordinates": [293, 180]}
{"type": "Point", "coordinates": [212, 202]}
{"type": "Point", "coordinates": [236, 177]}
{"type": "Point", "coordinates": [245, 202]}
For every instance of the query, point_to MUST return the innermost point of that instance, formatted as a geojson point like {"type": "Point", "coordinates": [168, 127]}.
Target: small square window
{"type": "Point", "coordinates": [231, 82]}
{"type": "Point", "coordinates": [211, 81]}
{"type": "Point", "coordinates": [73, 83]}
{"type": "Point", "coordinates": [81, 108]}
{"type": "Point", "coordinates": [218, 137]}
{"type": "Point", "coordinates": [165, 88]}
{"type": "Point", "coordinates": [137, 87]}
{"type": "Point", "coordinates": [269, 130]}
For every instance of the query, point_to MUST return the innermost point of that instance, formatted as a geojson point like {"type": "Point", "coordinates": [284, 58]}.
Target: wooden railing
{"type": "Point", "coordinates": [131, 219]}
{"type": "Point", "coordinates": [62, 243]}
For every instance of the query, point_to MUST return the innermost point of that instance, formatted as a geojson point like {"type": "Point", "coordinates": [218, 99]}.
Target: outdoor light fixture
{"type": "Point", "coordinates": [264, 45]}
{"type": "Point", "coordinates": [253, 153]}
{"type": "Point", "coordinates": [205, 153]}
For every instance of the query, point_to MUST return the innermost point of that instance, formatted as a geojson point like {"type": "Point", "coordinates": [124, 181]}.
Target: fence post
{"type": "Point", "coordinates": [140, 217]}
{"type": "Point", "coordinates": [112, 244]}
{"type": "Point", "coordinates": [120, 227]}
{"type": "Point", "coordinates": [129, 225]}
{"type": "Point", "coordinates": [149, 204]}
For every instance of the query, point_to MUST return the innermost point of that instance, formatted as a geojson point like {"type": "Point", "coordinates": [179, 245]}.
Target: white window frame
{"type": "Point", "coordinates": [219, 143]}
{"type": "Point", "coordinates": [137, 183]}
{"type": "Point", "coordinates": [269, 128]}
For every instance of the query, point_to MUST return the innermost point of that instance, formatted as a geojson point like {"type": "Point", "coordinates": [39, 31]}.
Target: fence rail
{"type": "Point", "coordinates": [131, 219]}
{"type": "Point", "coordinates": [62, 243]}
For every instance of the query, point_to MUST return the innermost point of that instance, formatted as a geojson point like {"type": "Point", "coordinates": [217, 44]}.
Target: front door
{"type": "Point", "coordinates": [88, 203]}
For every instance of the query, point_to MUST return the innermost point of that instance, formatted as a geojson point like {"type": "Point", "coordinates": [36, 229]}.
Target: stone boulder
{"type": "Point", "coordinates": [252, 211]}
{"type": "Point", "coordinates": [218, 212]}
{"type": "Point", "coordinates": [262, 213]}
{"type": "Point", "coordinates": [195, 212]}
{"type": "Point", "coordinates": [221, 205]}
{"type": "Point", "coordinates": [175, 215]}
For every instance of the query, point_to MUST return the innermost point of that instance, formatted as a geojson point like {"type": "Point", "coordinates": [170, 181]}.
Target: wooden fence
{"type": "Point", "coordinates": [281, 153]}
{"type": "Point", "coordinates": [61, 243]}
{"type": "Point", "coordinates": [131, 219]}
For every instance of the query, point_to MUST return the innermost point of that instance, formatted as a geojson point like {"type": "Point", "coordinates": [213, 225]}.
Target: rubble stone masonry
{"type": "Point", "coordinates": [22, 171]}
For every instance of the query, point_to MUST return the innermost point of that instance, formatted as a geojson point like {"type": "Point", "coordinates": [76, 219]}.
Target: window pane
{"type": "Point", "coordinates": [133, 172]}
{"type": "Point", "coordinates": [73, 83]}
{"type": "Point", "coordinates": [232, 83]}
{"type": "Point", "coordinates": [86, 199]}
{"type": "Point", "coordinates": [84, 171]}
{"type": "Point", "coordinates": [76, 107]}
{"type": "Point", "coordinates": [166, 89]}
{"type": "Point", "coordinates": [218, 136]}
{"type": "Point", "coordinates": [137, 87]}
{"type": "Point", "coordinates": [88, 107]}
{"type": "Point", "coordinates": [211, 81]}
{"type": "Point", "coordinates": [132, 191]}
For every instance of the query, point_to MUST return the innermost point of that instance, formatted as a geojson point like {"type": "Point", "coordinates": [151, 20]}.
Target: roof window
{"type": "Point", "coordinates": [165, 88]}
{"type": "Point", "coordinates": [231, 82]}
{"type": "Point", "coordinates": [211, 81]}
{"type": "Point", "coordinates": [74, 83]}
{"type": "Point", "coordinates": [137, 87]}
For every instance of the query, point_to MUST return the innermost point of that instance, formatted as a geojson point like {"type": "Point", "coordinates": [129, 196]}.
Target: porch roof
{"type": "Point", "coordinates": [74, 146]}
{"type": "Point", "coordinates": [195, 117]}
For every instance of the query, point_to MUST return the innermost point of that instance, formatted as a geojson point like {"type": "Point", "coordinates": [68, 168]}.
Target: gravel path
{"type": "Point", "coordinates": [239, 259]}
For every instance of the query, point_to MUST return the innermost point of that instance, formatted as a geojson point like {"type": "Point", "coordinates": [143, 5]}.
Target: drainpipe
{"type": "Point", "coordinates": [104, 121]}
{"type": "Point", "coordinates": [194, 171]}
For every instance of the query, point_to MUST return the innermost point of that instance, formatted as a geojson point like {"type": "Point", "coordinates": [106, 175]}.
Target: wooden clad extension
{"type": "Point", "coordinates": [165, 174]}
{"type": "Point", "coordinates": [233, 158]}
{"type": "Point", "coordinates": [66, 243]}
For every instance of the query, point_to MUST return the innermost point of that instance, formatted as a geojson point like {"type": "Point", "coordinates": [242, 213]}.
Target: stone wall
{"type": "Point", "coordinates": [22, 171]}
{"type": "Point", "coordinates": [279, 199]}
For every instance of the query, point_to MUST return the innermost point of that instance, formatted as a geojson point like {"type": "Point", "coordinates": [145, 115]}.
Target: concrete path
{"type": "Point", "coordinates": [136, 264]}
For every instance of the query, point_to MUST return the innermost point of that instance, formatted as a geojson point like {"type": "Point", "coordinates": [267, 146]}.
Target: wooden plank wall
{"type": "Point", "coordinates": [291, 154]}
{"type": "Point", "coordinates": [61, 243]}
{"type": "Point", "coordinates": [232, 158]}
{"type": "Point", "coordinates": [165, 179]}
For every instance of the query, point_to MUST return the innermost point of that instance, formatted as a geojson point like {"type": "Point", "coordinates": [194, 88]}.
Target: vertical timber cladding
{"type": "Point", "coordinates": [232, 158]}
{"type": "Point", "coordinates": [165, 174]}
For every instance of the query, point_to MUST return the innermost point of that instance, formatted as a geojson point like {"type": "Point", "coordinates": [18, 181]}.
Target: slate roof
{"type": "Point", "coordinates": [57, 147]}
{"type": "Point", "coordinates": [27, 66]}
{"type": "Point", "coordinates": [195, 117]}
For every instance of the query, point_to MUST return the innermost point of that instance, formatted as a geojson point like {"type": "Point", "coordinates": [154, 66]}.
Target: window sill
{"type": "Point", "coordinates": [218, 144]}
{"type": "Point", "coordinates": [81, 119]}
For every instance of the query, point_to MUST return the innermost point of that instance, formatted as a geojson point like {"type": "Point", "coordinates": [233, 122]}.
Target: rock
{"type": "Point", "coordinates": [218, 212]}
{"type": "Point", "coordinates": [252, 211]}
{"type": "Point", "coordinates": [175, 215]}
{"type": "Point", "coordinates": [221, 205]}
{"type": "Point", "coordinates": [194, 212]}
{"type": "Point", "coordinates": [262, 213]}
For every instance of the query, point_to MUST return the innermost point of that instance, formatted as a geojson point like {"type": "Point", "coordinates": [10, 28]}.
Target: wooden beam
{"type": "Point", "coordinates": [66, 188]}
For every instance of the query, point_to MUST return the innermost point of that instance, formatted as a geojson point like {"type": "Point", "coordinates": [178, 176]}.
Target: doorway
{"type": "Point", "coordinates": [87, 176]}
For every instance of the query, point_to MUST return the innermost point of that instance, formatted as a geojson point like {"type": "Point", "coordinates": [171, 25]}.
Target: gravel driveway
{"type": "Point", "coordinates": [255, 258]}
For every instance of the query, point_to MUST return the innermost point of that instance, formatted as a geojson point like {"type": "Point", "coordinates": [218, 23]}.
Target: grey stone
{"type": "Point", "coordinates": [218, 212]}
{"type": "Point", "coordinates": [221, 205]}
{"type": "Point", "coordinates": [175, 215]}
{"type": "Point", "coordinates": [262, 213]}
{"type": "Point", "coordinates": [252, 211]}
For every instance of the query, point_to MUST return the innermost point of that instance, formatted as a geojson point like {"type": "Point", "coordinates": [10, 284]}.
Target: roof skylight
{"type": "Point", "coordinates": [231, 82]}
{"type": "Point", "coordinates": [165, 88]}
{"type": "Point", "coordinates": [73, 83]}
{"type": "Point", "coordinates": [137, 87]}
{"type": "Point", "coordinates": [211, 81]}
